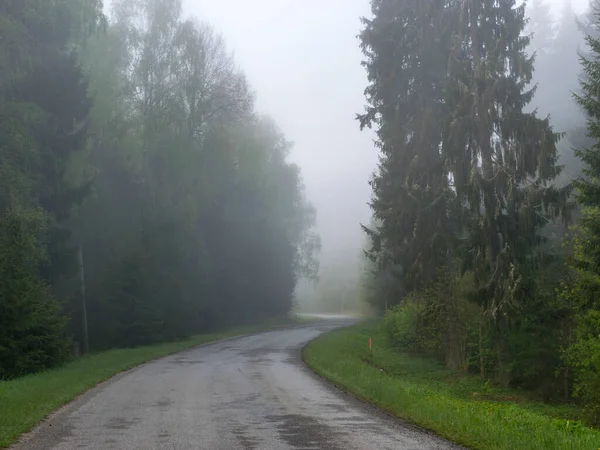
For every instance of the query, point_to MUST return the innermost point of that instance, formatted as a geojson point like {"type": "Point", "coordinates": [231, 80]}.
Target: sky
{"type": "Point", "coordinates": [302, 58]}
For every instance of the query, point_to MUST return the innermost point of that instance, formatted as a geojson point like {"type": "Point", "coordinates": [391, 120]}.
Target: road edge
{"type": "Point", "coordinates": [365, 402]}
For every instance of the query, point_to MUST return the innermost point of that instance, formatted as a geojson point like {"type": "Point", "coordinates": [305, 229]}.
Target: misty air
{"type": "Point", "coordinates": [299, 224]}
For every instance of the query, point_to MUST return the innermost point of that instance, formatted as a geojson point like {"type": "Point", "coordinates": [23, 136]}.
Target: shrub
{"type": "Point", "coordinates": [584, 358]}
{"type": "Point", "coordinates": [401, 325]}
{"type": "Point", "coordinates": [413, 325]}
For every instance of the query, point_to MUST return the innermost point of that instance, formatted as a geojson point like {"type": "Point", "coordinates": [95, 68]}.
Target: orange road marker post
{"type": "Point", "coordinates": [371, 344]}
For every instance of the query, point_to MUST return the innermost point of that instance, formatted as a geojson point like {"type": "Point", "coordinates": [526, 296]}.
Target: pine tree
{"type": "Point", "coordinates": [406, 48]}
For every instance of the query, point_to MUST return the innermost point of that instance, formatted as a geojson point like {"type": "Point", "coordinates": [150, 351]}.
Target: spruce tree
{"type": "Point", "coordinates": [584, 355]}
{"type": "Point", "coordinates": [502, 159]}
{"type": "Point", "coordinates": [406, 48]}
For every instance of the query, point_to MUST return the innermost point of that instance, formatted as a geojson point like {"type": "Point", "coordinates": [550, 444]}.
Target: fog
{"type": "Point", "coordinates": [304, 62]}
{"type": "Point", "coordinates": [177, 168]}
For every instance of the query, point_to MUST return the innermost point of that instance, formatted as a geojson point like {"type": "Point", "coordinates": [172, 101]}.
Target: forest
{"type": "Point", "coordinates": [142, 197]}
{"type": "Point", "coordinates": [484, 246]}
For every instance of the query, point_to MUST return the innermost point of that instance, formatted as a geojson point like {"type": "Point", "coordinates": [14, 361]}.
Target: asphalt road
{"type": "Point", "coordinates": [243, 393]}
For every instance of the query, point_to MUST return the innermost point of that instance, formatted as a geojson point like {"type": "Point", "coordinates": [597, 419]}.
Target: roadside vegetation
{"type": "Point", "coordinates": [27, 401]}
{"type": "Point", "coordinates": [484, 248]}
{"type": "Point", "coordinates": [461, 407]}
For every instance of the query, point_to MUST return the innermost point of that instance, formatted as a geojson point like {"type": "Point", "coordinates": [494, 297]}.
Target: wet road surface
{"type": "Point", "coordinates": [243, 393]}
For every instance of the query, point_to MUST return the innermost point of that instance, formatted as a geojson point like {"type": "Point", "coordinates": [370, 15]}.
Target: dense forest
{"type": "Point", "coordinates": [484, 245]}
{"type": "Point", "coordinates": [142, 197]}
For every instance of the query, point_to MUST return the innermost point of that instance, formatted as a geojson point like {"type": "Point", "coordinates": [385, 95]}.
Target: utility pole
{"type": "Point", "coordinates": [86, 342]}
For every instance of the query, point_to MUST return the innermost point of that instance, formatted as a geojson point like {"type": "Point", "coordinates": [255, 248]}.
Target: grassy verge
{"type": "Point", "coordinates": [458, 407]}
{"type": "Point", "coordinates": [27, 401]}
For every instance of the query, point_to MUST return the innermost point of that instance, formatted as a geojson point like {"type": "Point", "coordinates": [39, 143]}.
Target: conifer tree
{"type": "Point", "coordinates": [502, 159]}
{"type": "Point", "coordinates": [585, 262]}
{"type": "Point", "coordinates": [406, 47]}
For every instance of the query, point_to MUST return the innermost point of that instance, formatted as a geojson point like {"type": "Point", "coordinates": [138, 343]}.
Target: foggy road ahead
{"type": "Point", "coordinates": [244, 393]}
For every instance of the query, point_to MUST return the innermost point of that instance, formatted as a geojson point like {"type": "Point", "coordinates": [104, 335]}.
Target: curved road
{"type": "Point", "coordinates": [244, 393]}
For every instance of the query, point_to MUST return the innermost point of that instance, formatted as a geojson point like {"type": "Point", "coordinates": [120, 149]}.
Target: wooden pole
{"type": "Point", "coordinates": [86, 343]}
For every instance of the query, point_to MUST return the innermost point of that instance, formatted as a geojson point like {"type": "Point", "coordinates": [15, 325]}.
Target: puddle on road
{"type": "Point", "coordinates": [164, 404]}
{"type": "Point", "coordinates": [120, 423]}
{"type": "Point", "coordinates": [184, 360]}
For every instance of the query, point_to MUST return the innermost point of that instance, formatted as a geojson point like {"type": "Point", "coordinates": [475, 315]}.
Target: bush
{"type": "Point", "coordinates": [413, 326]}
{"type": "Point", "coordinates": [439, 321]}
{"type": "Point", "coordinates": [401, 325]}
{"type": "Point", "coordinates": [447, 322]}
{"type": "Point", "coordinates": [538, 331]}
{"type": "Point", "coordinates": [584, 358]}
{"type": "Point", "coordinates": [583, 292]}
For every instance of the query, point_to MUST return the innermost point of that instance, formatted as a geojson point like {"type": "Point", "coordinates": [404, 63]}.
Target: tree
{"type": "Point", "coordinates": [210, 224]}
{"type": "Point", "coordinates": [584, 354]}
{"type": "Point", "coordinates": [377, 287]}
{"type": "Point", "coordinates": [406, 48]}
{"type": "Point", "coordinates": [31, 328]}
{"type": "Point", "coordinates": [502, 159]}
{"type": "Point", "coordinates": [43, 108]}
{"type": "Point", "coordinates": [557, 54]}
{"type": "Point", "coordinates": [136, 141]}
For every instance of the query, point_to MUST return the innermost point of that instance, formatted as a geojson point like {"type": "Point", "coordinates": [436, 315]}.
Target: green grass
{"type": "Point", "coordinates": [27, 401]}
{"type": "Point", "coordinates": [458, 407]}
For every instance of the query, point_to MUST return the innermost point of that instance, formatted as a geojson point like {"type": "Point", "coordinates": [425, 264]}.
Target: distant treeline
{"type": "Point", "coordinates": [469, 251]}
{"type": "Point", "coordinates": [131, 147]}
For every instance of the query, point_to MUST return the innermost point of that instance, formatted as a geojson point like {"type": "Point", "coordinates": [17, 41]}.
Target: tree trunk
{"type": "Point", "coordinates": [504, 375]}
{"type": "Point", "coordinates": [481, 358]}
{"type": "Point", "coordinates": [454, 348]}
{"type": "Point", "coordinates": [454, 353]}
